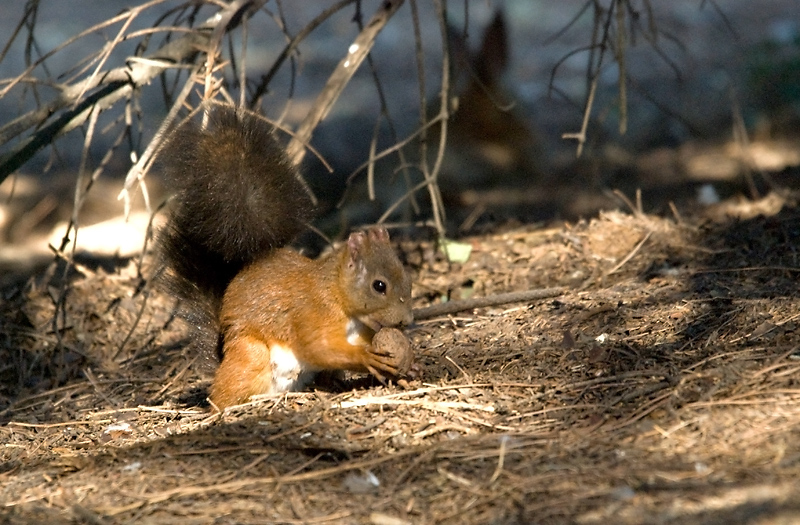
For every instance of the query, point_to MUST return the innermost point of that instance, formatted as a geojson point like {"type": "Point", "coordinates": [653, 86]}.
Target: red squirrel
{"type": "Point", "coordinates": [275, 316]}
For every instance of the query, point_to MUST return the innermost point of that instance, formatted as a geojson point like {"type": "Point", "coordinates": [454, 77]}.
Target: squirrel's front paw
{"type": "Point", "coordinates": [391, 353]}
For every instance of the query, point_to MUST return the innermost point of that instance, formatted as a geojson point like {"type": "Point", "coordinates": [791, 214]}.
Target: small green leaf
{"type": "Point", "coordinates": [456, 251]}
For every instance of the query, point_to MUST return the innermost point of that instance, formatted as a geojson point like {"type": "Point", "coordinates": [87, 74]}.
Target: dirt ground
{"type": "Point", "coordinates": [662, 387]}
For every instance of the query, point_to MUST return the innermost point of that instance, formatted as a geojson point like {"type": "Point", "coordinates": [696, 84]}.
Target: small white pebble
{"type": "Point", "coordinates": [623, 493]}
{"type": "Point", "coordinates": [361, 482]}
{"type": "Point", "coordinates": [132, 467]}
{"type": "Point", "coordinates": [707, 195]}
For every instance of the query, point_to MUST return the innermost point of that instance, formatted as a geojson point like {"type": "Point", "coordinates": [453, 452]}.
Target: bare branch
{"type": "Point", "coordinates": [340, 77]}
{"type": "Point", "coordinates": [111, 86]}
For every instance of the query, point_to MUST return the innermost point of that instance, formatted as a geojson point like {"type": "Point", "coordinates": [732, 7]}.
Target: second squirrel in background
{"type": "Point", "coordinates": [276, 317]}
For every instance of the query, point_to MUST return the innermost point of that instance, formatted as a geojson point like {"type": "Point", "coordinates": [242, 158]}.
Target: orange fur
{"type": "Point", "coordinates": [313, 309]}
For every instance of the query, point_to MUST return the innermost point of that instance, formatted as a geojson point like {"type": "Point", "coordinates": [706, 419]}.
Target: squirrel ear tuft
{"type": "Point", "coordinates": [355, 247]}
{"type": "Point", "coordinates": [356, 241]}
{"type": "Point", "coordinates": [379, 233]}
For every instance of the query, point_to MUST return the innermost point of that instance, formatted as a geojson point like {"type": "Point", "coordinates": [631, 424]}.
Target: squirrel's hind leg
{"type": "Point", "coordinates": [250, 367]}
{"type": "Point", "coordinates": [245, 370]}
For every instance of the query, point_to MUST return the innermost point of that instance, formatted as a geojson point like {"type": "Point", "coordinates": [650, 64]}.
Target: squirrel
{"type": "Point", "coordinates": [274, 317]}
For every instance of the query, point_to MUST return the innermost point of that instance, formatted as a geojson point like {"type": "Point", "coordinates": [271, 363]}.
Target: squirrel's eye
{"type": "Point", "coordinates": [379, 286]}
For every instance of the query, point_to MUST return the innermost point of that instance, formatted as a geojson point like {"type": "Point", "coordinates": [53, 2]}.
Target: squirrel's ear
{"type": "Point", "coordinates": [492, 58]}
{"type": "Point", "coordinates": [379, 234]}
{"type": "Point", "coordinates": [355, 246]}
{"type": "Point", "coordinates": [356, 241]}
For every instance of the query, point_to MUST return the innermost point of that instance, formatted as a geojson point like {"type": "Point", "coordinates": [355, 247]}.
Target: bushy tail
{"type": "Point", "coordinates": [236, 197]}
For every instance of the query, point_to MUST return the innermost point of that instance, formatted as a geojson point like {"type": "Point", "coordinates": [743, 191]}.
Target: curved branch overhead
{"type": "Point", "coordinates": [71, 108]}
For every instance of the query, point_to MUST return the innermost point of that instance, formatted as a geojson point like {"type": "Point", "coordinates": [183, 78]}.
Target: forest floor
{"type": "Point", "coordinates": [662, 387]}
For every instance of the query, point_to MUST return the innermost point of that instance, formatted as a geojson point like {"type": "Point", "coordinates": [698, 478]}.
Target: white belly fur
{"type": "Point", "coordinates": [355, 332]}
{"type": "Point", "coordinates": [288, 374]}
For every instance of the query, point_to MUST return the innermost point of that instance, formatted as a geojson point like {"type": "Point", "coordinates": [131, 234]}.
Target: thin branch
{"type": "Point", "coordinates": [620, 52]}
{"type": "Point", "coordinates": [581, 135]}
{"type": "Point", "coordinates": [262, 86]}
{"type": "Point", "coordinates": [344, 71]}
{"type": "Point", "coordinates": [113, 85]}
